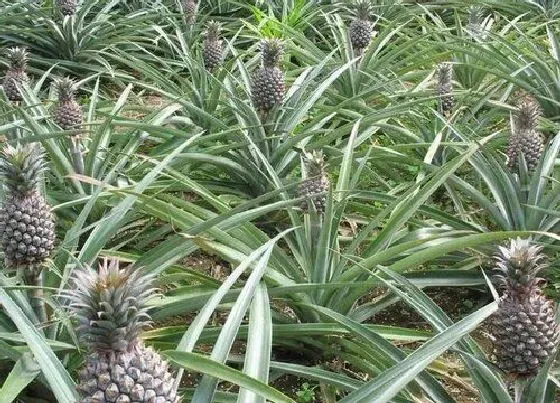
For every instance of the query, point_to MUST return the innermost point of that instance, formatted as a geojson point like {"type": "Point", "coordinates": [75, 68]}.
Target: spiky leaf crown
{"type": "Point", "coordinates": [21, 167]}
{"type": "Point", "coordinates": [110, 304]}
{"type": "Point", "coordinates": [444, 78]}
{"type": "Point", "coordinates": [517, 266]}
{"type": "Point", "coordinates": [363, 11]}
{"type": "Point", "coordinates": [213, 31]}
{"type": "Point", "coordinates": [314, 163]}
{"type": "Point", "coordinates": [18, 57]}
{"type": "Point", "coordinates": [66, 87]}
{"type": "Point", "coordinates": [272, 50]}
{"type": "Point", "coordinates": [526, 118]}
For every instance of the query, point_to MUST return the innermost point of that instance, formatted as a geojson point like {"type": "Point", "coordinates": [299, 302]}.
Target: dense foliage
{"type": "Point", "coordinates": [296, 178]}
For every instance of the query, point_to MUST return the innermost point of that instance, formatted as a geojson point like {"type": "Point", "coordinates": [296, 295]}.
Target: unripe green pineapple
{"type": "Point", "coordinates": [316, 182]}
{"type": "Point", "coordinates": [524, 329]}
{"type": "Point", "coordinates": [213, 52]}
{"type": "Point", "coordinates": [16, 75]}
{"type": "Point", "coordinates": [110, 304]}
{"type": "Point", "coordinates": [267, 86]}
{"type": "Point", "coordinates": [361, 28]}
{"type": "Point", "coordinates": [68, 7]}
{"type": "Point", "coordinates": [525, 139]}
{"type": "Point", "coordinates": [68, 114]}
{"type": "Point", "coordinates": [445, 88]}
{"type": "Point", "coordinates": [190, 8]}
{"type": "Point", "coordinates": [26, 223]}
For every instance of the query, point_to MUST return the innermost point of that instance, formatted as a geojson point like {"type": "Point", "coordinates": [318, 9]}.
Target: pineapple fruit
{"type": "Point", "coordinates": [361, 28]}
{"type": "Point", "coordinates": [16, 75]}
{"type": "Point", "coordinates": [267, 86]}
{"type": "Point", "coordinates": [213, 52]}
{"type": "Point", "coordinates": [524, 329]}
{"type": "Point", "coordinates": [190, 8]}
{"type": "Point", "coordinates": [110, 304]}
{"type": "Point", "coordinates": [525, 139]}
{"type": "Point", "coordinates": [445, 88]}
{"type": "Point", "coordinates": [316, 181]}
{"type": "Point", "coordinates": [68, 114]}
{"type": "Point", "coordinates": [26, 223]}
{"type": "Point", "coordinates": [68, 7]}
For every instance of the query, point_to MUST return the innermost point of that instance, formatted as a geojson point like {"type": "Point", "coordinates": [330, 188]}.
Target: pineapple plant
{"type": "Point", "coordinates": [110, 305]}
{"type": "Point", "coordinates": [361, 29]}
{"type": "Point", "coordinates": [68, 7]}
{"type": "Point", "coordinates": [445, 88]}
{"type": "Point", "coordinates": [267, 85]}
{"type": "Point", "coordinates": [525, 138]}
{"type": "Point", "coordinates": [68, 114]}
{"type": "Point", "coordinates": [213, 52]}
{"type": "Point", "coordinates": [26, 223]}
{"type": "Point", "coordinates": [316, 181]}
{"type": "Point", "coordinates": [16, 75]}
{"type": "Point", "coordinates": [524, 329]}
{"type": "Point", "coordinates": [190, 8]}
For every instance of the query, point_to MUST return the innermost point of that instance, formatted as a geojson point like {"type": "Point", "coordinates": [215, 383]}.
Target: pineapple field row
{"type": "Point", "coordinates": [288, 201]}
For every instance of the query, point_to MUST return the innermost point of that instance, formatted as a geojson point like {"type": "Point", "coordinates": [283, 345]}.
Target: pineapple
{"type": "Point", "coordinates": [525, 139]}
{"type": "Point", "coordinates": [524, 329]}
{"type": "Point", "coordinates": [110, 304]}
{"type": "Point", "coordinates": [68, 114]}
{"type": "Point", "coordinates": [316, 183]}
{"type": "Point", "coordinates": [361, 28]}
{"type": "Point", "coordinates": [16, 75]}
{"type": "Point", "coordinates": [445, 88]}
{"type": "Point", "coordinates": [26, 223]}
{"type": "Point", "coordinates": [475, 21]}
{"type": "Point", "coordinates": [213, 47]}
{"type": "Point", "coordinates": [190, 7]}
{"type": "Point", "coordinates": [268, 87]}
{"type": "Point", "coordinates": [68, 7]}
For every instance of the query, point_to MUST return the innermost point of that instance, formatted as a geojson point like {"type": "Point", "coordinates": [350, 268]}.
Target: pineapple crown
{"type": "Point", "coordinates": [363, 11]}
{"type": "Point", "coordinates": [66, 87]}
{"type": "Point", "coordinates": [213, 31]}
{"type": "Point", "coordinates": [518, 265]}
{"type": "Point", "coordinates": [271, 50]}
{"type": "Point", "coordinates": [526, 118]}
{"type": "Point", "coordinates": [444, 72]}
{"type": "Point", "coordinates": [314, 163]}
{"type": "Point", "coordinates": [475, 19]}
{"type": "Point", "coordinates": [22, 166]}
{"type": "Point", "coordinates": [110, 304]}
{"type": "Point", "coordinates": [18, 57]}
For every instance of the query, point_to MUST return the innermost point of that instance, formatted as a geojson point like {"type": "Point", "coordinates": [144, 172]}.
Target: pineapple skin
{"type": "Point", "coordinates": [360, 33]}
{"type": "Point", "coordinates": [313, 189]}
{"type": "Point", "coordinates": [190, 8]}
{"type": "Point", "coordinates": [213, 54]}
{"type": "Point", "coordinates": [526, 140]}
{"type": "Point", "coordinates": [445, 88]}
{"type": "Point", "coordinates": [26, 230]}
{"type": "Point", "coordinates": [14, 78]}
{"type": "Point", "coordinates": [268, 88]}
{"type": "Point", "coordinates": [137, 376]}
{"type": "Point", "coordinates": [68, 7]}
{"type": "Point", "coordinates": [524, 330]}
{"type": "Point", "coordinates": [69, 115]}
{"type": "Point", "coordinates": [26, 223]}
